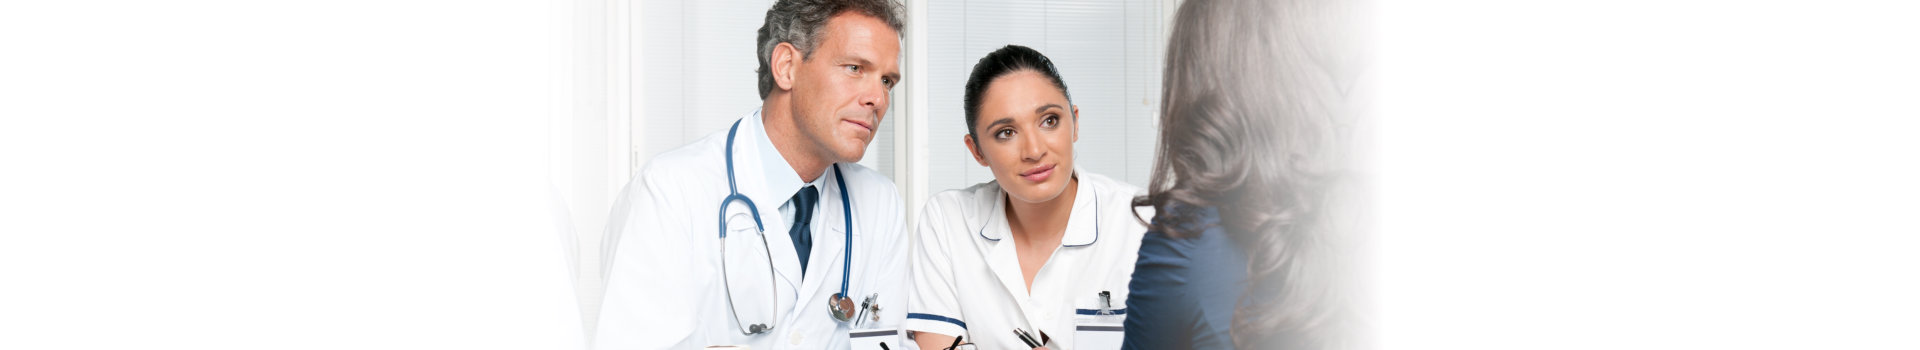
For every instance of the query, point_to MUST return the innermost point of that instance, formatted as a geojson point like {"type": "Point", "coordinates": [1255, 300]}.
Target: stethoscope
{"type": "Point", "coordinates": [839, 305]}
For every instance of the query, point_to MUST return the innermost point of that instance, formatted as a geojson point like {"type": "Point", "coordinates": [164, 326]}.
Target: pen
{"type": "Point", "coordinates": [1024, 338]}
{"type": "Point", "coordinates": [956, 341]}
{"type": "Point", "coordinates": [883, 346]}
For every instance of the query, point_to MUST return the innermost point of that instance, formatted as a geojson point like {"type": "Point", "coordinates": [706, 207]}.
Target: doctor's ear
{"type": "Point", "coordinates": [784, 60]}
{"type": "Point", "coordinates": [974, 149]}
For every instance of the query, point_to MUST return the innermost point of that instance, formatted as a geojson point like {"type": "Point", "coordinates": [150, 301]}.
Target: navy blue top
{"type": "Point", "coordinates": [1184, 289]}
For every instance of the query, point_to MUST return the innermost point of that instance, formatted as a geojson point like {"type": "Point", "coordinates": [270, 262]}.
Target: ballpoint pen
{"type": "Point", "coordinates": [868, 306]}
{"type": "Point", "coordinates": [1024, 338]}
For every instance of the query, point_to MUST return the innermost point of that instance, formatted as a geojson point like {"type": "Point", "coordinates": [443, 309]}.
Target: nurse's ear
{"type": "Point", "coordinates": [1076, 124]}
{"type": "Point", "coordinates": [974, 149]}
{"type": "Point", "coordinates": [784, 60]}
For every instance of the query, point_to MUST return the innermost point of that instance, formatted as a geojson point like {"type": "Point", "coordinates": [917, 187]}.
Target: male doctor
{"type": "Point", "coordinates": [792, 275]}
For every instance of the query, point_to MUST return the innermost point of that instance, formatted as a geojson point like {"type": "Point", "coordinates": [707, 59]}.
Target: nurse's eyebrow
{"type": "Point", "coordinates": [1044, 108]}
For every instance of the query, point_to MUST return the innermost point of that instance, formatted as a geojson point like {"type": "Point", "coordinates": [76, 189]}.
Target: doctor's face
{"type": "Point", "coordinates": [1025, 132]}
{"type": "Point", "coordinates": [840, 92]}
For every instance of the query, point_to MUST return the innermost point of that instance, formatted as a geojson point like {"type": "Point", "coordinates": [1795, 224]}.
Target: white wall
{"type": "Point", "coordinates": [284, 175]}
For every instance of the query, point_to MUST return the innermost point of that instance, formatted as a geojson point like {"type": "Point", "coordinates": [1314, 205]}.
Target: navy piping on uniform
{"type": "Point", "coordinates": [933, 317]}
{"type": "Point", "coordinates": [1092, 312]}
{"type": "Point", "coordinates": [983, 227]}
{"type": "Point", "coordinates": [1096, 224]}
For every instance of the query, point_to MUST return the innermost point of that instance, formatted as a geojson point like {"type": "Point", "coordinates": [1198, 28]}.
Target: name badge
{"type": "Point", "coordinates": [1098, 322]}
{"type": "Point", "coordinates": [1098, 336]}
{"type": "Point", "coordinates": [872, 338]}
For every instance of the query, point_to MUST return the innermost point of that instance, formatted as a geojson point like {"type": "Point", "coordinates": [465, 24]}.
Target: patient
{"type": "Point", "coordinates": [1044, 247]}
{"type": "Point", "coordinates": [1253, 245]}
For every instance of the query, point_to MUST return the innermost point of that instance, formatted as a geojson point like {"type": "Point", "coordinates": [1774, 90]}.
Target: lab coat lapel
{"type": "Point", "coordinates": [786, 262]}
{"type": "Point", "coordinates": [747, 170]}
{"type": "Point", "coordinates": [829, 243]}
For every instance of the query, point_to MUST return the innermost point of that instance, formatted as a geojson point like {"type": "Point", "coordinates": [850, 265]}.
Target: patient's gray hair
{"type": "Point", "coordinates": [802, 22]}
{"type": "Point", "coordinates": [1258, 116]}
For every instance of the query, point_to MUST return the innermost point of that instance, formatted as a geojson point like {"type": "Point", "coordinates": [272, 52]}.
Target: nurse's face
{"type": "Point", "coordinates": [840, 92]}
{"type": "Point", "coordinates": [1025, 133]}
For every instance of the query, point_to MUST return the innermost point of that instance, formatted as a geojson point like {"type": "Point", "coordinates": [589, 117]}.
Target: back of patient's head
{"type": "Point", "coordinates": [1005, 61]}
{"type": "Point", "coordinates": [1255, 122]}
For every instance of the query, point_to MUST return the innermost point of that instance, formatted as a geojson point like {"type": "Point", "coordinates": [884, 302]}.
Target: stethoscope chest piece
{"type": "Point", "coordinates": [841, 307]}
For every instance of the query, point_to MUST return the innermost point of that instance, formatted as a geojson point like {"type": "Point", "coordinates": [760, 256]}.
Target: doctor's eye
{"type": "Point", "coordinates": [852, 68]}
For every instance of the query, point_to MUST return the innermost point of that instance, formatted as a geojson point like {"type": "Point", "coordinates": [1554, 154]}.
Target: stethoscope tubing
{"type": "Point", "coordinates": [733, 189]}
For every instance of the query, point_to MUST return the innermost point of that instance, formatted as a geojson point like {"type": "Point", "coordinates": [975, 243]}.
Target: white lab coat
{"type": "Point", "coordinates": [664, 285]}
{"type": "Point", "coordinates": [967, 278]}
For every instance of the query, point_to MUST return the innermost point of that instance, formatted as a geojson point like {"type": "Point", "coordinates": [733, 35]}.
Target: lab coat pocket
{"type": "Point", "coordinates": [1098, 321]}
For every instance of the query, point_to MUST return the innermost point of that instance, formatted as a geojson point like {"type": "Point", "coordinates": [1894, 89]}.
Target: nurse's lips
{"type": "Point", "coordinates": [1038, 174]}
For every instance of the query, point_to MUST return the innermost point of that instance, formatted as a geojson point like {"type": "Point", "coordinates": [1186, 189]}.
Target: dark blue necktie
{"type": "Point", "coordinates": [801, 232]}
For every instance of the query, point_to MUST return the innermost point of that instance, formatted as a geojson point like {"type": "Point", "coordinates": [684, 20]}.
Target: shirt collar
{"type": "Point", "coordinates": [778, 178]}
{"type": "Point", "coordinates": [1082, 224]}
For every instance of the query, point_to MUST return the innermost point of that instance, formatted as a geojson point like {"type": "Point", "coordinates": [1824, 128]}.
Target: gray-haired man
{"type": "Point", "coordinates": [806, 243]}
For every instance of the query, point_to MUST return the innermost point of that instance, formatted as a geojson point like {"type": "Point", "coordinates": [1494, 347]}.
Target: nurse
{"type": "Point", "coordinates": [1045, 248]}
{"type": "Point", "coordinates": [766, 234]}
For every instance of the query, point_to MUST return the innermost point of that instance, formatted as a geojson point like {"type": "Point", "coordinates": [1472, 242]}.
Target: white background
{"type": "Point", "coordinates": [278, 175]}
{"type": "Point", "coordinates": [1649, 174]}
{"type": "Point", "coordinates": [379, 174]}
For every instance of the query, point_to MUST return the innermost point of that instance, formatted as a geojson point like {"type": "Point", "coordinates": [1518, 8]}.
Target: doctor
{"type": "Point", "coordinates": [1045, 248]}
{"type": "Point", "coordinates": [767, 234]}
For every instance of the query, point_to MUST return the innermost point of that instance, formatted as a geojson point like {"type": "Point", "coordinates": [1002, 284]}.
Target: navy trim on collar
{"type": "Point", "coordinates": [1096, 222]}
{"type": "Point", "coordinates": [999, 203]}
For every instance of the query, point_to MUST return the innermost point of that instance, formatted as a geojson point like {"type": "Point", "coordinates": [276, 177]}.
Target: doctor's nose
{"type": "Point", "coordinates": [874, 98]}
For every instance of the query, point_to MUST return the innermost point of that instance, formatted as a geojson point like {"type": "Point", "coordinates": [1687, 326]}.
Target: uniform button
{"type": "Point", "coordinates": [797, 338]}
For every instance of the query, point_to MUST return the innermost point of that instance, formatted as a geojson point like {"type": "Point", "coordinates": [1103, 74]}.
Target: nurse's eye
{"type": "Point", "coordinates": [1003, 134]}
{"type": "Point", "coordinates": [1050, 122]}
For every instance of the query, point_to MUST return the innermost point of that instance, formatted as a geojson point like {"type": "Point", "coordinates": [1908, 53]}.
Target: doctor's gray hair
{"type": "Point", "coordinates": [1257, 121]}
{"type": "Point", "coordinates": [802, 22]}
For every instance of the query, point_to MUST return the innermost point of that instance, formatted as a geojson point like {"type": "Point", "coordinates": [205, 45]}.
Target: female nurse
{"type": "Point", "coordinates": [1045, 249]}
